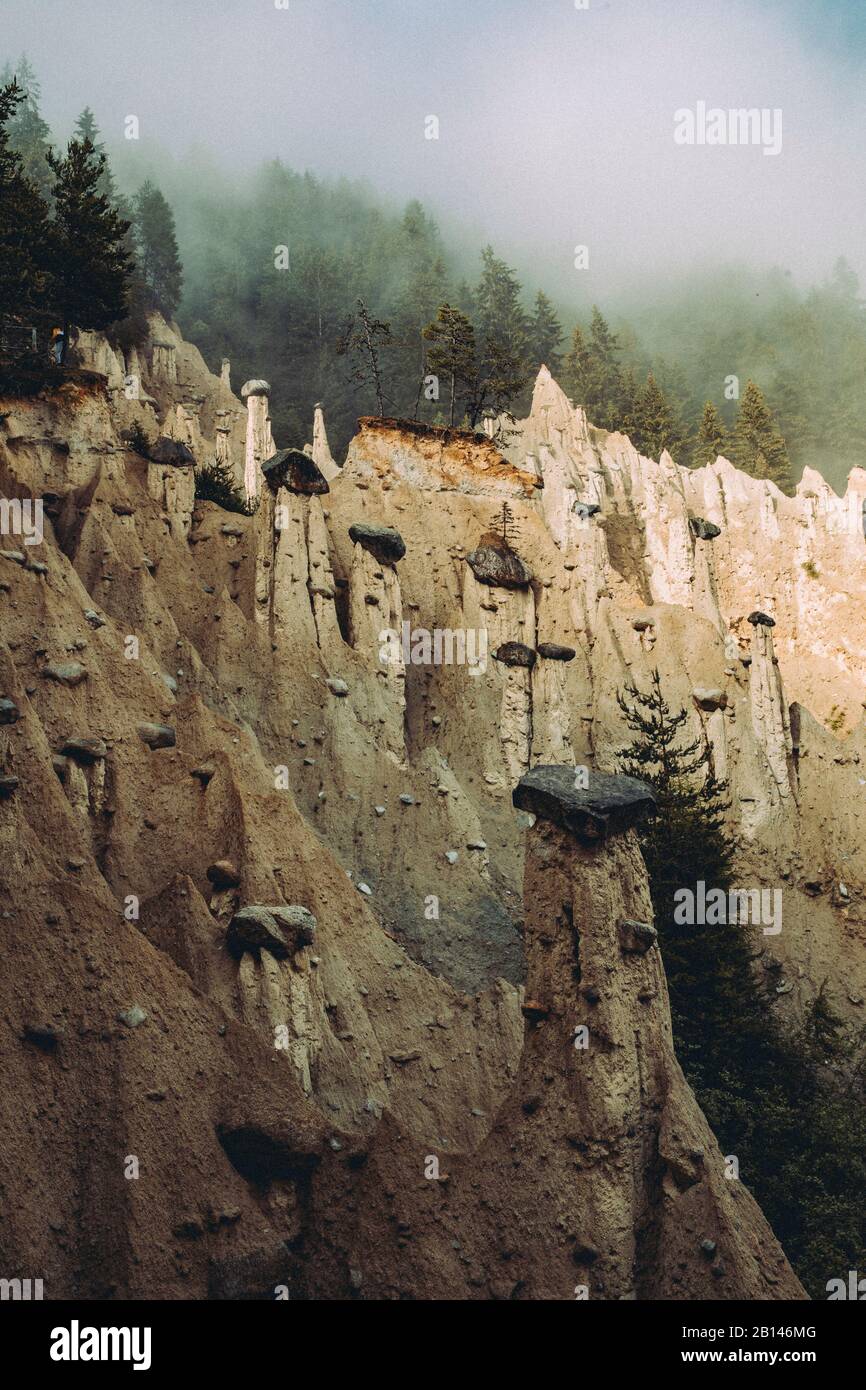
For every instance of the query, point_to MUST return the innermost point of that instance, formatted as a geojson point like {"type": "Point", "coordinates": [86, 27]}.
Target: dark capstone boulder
{"type": "Point", "coordinates": [494, 562]}
{"type": "Point", "coordinates": [281, 930]}
{"type": "Point", "coordinates": [636, 938]}
{"type": "Point", "coordinates": [173, 452]}
{"type": "Point", "coordinates": [515, 654]}
{"type": "Point", "coordinates": [9, 712]}
{"type": "Point", "coordinates": [586, 509]}
{"type": "Point", "coordinates": [610, 804]}
{"type": "Point", "coordinates": [85, 750]}
{"type": "Point", "coordinates": [554, 652]}
{"type": "Point", "coordinates": [384, 543]}
{"type": "Point", "coordinates": [295, 470]}
{"type": "Point", "coordinates": [704, 530]}
{"type": "Point", "coordinates": [157, 735]}
{"type": "Point", "coordinates": [759, 619]}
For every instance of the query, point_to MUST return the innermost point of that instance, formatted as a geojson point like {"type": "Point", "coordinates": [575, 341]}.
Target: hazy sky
{"type": "Point", "coordinates": [556, 125]}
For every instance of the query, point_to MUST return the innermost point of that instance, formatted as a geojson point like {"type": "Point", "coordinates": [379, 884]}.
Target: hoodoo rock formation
{"type": "Point", "coordinates": [599, 1177]}
{"type": "Point", "coordinates": [272, 923]}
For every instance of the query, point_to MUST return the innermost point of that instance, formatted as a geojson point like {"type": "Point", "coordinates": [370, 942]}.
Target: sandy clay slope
{"type": "Point", "coordinates": [458, 1080]}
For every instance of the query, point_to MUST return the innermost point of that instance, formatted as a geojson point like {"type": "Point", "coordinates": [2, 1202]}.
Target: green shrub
{"type": "Point", "coordinates": [214, 482]}
{"type": "Point", "coordinates": [137, 439]}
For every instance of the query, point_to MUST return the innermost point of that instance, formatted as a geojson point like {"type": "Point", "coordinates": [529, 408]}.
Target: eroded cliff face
{"type": "Point", "coordinates": [599, 1177]}
{"type": "Point", "coordinates": [193, 688]}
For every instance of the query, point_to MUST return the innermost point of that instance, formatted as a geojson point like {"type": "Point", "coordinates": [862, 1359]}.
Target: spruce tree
{"type": "Point", "coordinates": [87, 129]}
{"type": "Point", "coordinates": [797, 1127]}
{"type": "Point", "coordinates": [577, 372]}
{"type": "Point", "coordinates": [89, 261]}
{"type": "Point", "coordinates": [654, 421]}
{"type": "Point", "coordinates": [605, 407]}
{"type": "Point", "coordinates": [502, 333]}
{"type": "Point", "coordinates": [24, 230]}
{"type": "Point", "coordinates": [712, 987]}
{"type": "Point", "coordinates": [453, 353]}
{"type": "Point", "coordinates": [545, 336]}
{"type": "Point", "coordinates": [759, 448]}
{"type": "Point", "coordinates": [158, 258]}
{"type": "Point", "coordinates": [28, 133]}
{"type": "Point", "coordinates": [712, 437]}
{"type": "Point", "coordinates": [500, 315]}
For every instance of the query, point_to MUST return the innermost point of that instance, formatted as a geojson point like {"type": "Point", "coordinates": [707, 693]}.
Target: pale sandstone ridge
{"type": "Point", "coordinates": [376, 795]}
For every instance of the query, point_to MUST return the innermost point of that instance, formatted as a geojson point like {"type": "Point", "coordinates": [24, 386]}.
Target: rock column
{"type": "Point", "coordinates": [260, 441]}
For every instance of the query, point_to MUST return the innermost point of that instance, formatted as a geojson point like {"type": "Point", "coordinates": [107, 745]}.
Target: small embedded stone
{"type": "Point", "coordinates": [636, 938]}
{"type": "Point", "coordinates": [704, 530]}
{"type": "Point", "coordinates": [223, 874]}
{"type": "Point", "coordinates": [69, 673]}
{"type": "Point", "coordinates": [132, 1017]}
{"type": "Point", "coordinates": [157, 735]}
{"type": "Point", "coordinates": [709, 698]}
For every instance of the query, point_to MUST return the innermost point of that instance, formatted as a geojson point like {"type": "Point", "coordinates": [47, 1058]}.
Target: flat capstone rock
{"type": "Point", "coordinates": [384, 543]}
{"type": "Point", "coordinates": [610, 804]}
{"type": "Point", "coordinates": [552, 651]}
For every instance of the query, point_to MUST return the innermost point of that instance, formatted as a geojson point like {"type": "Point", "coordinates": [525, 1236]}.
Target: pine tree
{"type": "Point", "coordinates": [453, 354]}
{"type": "Point", "coordinates": [712, 437]}
{"type": "Point", "coordinates": [708, 967]}
{"type": "Point", "coordinates": [759, 448]}
{"type": "Point", "coordinates": [545, 336]}
{"type": "Point", "coordinates": [87, 129]}
{"type": "Point", "coordinates": [24, 277]}
{"type": "Point", "coordinates": [654, 421]}
{"type": "Point", "coordinates": [363, 340]}
{"type": "Point", "coordinates": [89, 261]}
{"type": "Point", "coordinates": [507, 526]}
{"type": "Point", "coordinates": [28, 133]}
{"type": "Point", "coordinates": [158, 259]}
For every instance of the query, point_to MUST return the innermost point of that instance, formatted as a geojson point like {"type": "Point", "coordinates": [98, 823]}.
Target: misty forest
{"type": "Point", "coordinates": [277, 266]}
